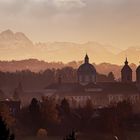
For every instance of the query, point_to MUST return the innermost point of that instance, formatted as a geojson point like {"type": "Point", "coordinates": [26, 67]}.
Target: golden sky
{"type": "Point", "coordinates": [114, 22]}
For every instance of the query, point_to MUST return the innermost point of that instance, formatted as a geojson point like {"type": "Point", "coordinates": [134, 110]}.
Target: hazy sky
{"type": "Point", "coordinates": [113, 22]}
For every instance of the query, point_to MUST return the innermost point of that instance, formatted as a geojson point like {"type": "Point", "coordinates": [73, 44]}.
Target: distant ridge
{"type": "Point", "coordinates": [35, 65]}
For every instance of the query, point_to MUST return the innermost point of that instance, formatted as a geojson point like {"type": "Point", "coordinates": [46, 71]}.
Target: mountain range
{"type": "Point", "coordinates": [17, 46]}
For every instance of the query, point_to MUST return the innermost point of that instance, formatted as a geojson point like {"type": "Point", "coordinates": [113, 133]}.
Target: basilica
{"type": "Point", "coordinates": [100, 93]}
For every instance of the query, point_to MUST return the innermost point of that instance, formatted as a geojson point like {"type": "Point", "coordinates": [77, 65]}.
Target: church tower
{"type": "Point", "coordinates": [126, 73]}
{"type": "Point", "coordinates": [138, 75]}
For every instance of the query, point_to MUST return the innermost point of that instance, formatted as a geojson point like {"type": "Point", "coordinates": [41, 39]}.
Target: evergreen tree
{"type": "Point", "coordinates": [17, 92]}
{"type": "Point", "coordinates": [65, 106]}
{"type": "Point", "coordinates": [4, 131]}
{"type": "Point", "coordinates": [34, 107]}
{"type": "Point", "coordinates": [111, 77]}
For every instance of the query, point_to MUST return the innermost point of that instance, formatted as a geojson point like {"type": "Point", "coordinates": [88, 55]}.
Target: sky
{"type": "Point", "coordinates": [114, 22]}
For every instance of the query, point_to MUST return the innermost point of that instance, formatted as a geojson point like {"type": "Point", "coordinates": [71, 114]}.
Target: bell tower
{"type": "Point", "coordinates": [126, 73]}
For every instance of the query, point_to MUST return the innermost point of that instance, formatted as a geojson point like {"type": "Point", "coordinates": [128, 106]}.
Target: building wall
{"type": "Point", "coordinates": [86, 79]}
{"type": "Point", "coordinates": [134, 98]}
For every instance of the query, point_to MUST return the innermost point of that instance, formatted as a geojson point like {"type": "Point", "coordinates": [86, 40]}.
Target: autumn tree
{"type": "Point", "coordinates": [6, 114]}
{"type": "Point", "coordinates": [113, 118]}
{"type": "Point", "coordinates": [49, 112]}
{"type": "Point", "coordinates": [4, 131]}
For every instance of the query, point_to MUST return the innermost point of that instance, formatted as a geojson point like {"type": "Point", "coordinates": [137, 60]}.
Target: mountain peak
{"type": "Point", "coordinates": [7, 34]}
{"type": "Point", "coordinates": [8, 31]}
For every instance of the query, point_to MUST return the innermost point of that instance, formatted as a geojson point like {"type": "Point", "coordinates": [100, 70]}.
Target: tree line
{"type": "Point", "coordinates": [60, 119]}
{"type": "Point", "coordinates": [54, 118]}
{"type": "Point", "coordinates": [41, 79]}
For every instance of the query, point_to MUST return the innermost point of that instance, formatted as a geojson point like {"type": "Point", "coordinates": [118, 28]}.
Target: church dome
{"type": "Point", "coordinates": [86, 68]}
{"type": "Point", "coordinates": [86, 72]}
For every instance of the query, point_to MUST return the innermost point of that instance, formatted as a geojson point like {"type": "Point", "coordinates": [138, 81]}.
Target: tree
{"type": "Point", "coordinates": [17, 92]}
{"type": "Point", "coordinates": [85, 114]}
{"type": "Point", "coordinates": [34, 113]}
{"type": "Point", "coordinates": [111, 77]}
{"type": "Point", "coordinates": [16, 96]}
{"type": "Point", "coordinates": [6, 114]}
{"type": "Point", "coordinates": [113, 118]}
{"type": "Point", "coordinates": [49, 111]}
{"type": "Point", "coordinates": [2, 95]}
{"type": "Point", "coordinates": [65, 107]}
{"type": "Point", "coordinates": [34, 107]}
{"type": "Point", "coordinates": [4, 131]}
{"type": "Point", "coordinates": [101, 78]}
{"type": "Point", "coordinates": [124, 109]}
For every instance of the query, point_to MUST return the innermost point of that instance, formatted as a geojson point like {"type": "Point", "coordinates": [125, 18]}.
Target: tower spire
{"type": "Point", "coordinates": [126, 62]}
{"type": "Point", "coordinates": [86, 58]}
